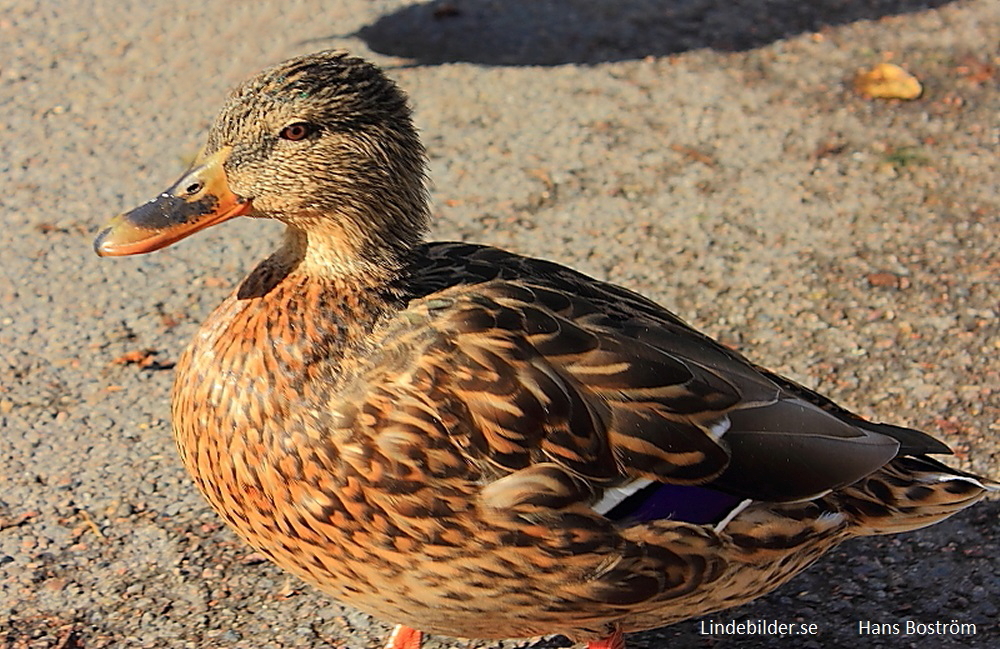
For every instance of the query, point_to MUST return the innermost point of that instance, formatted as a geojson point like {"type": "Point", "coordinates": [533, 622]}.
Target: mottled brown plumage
{"type": "Point", "coordinates": [474, 443]}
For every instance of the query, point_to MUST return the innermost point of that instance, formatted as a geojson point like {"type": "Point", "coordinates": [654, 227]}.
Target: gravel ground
{"type": "Point", "coordinates": [709, 154]}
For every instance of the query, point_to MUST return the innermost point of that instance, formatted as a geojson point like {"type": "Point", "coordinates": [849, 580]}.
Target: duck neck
{"type": "Point", "coordinates": [363, 286]}
{"type": "Point", "coordinates": [354, 242]}
{"type": "Point", "coordinates": [329, 253]}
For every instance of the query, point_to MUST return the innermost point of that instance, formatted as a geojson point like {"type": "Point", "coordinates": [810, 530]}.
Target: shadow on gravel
{"type": "Point", "coordinates": [553, 32]}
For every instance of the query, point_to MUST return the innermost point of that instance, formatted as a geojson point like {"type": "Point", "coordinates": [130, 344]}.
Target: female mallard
{"type": "Point", "coordinates": [475, 443]}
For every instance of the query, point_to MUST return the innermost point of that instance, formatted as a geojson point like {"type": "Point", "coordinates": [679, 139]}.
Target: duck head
{"type": "Point", "coordinates": [324, 143]}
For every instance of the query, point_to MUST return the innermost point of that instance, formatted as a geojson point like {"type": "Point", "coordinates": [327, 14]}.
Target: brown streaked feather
{"type": "Point", "coordinates": [909, 493]}
{"type": "Point", "coordinates": [588, 397]}
{"type": "Point", "coordinates": [547, 360]}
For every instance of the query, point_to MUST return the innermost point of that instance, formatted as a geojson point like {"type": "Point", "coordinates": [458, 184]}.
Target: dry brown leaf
{"type": "Point", "coordinates": [887, 81]}
{"type": "Point", "coordinates": [886, 279]}
{"type": "Point", "coordinates": [144, 358]}
{"type": "Point", "coordinates": [695, 154]}
{"type": "Point", "coordinates": [975, 70]}
{"type": "Point", "coordinates": [139, 356]}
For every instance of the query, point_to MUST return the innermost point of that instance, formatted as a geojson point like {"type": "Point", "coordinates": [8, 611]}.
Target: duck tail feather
{"type": "Point", "coordinates": [909, 493]}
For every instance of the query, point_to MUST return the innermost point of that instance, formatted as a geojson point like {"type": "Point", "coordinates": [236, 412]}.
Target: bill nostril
{"type": "Point", "coordinates": [193, 188]}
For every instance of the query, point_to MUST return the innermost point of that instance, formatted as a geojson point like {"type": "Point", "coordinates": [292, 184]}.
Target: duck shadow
{"type": "Point", "coordinates": [554, 32]}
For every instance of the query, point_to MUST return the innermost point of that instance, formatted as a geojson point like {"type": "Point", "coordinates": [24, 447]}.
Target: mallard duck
{"type": "Point", "coordinates": [474, 443]}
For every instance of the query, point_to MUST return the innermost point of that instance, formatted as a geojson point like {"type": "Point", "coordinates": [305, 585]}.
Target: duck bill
{"type": "Point", "coordinates": [200, 199]}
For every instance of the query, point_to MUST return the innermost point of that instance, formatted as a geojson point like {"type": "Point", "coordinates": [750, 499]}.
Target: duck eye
{"type": "Point", "coordinates": [298, 131]}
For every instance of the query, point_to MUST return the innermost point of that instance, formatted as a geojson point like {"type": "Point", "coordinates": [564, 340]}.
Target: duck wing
{"type": "Point", "coordinates": [535, 364]}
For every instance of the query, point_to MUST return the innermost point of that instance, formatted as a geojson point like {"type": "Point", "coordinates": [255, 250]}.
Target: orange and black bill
{"type": "Point", "coordinates": [200, 199]}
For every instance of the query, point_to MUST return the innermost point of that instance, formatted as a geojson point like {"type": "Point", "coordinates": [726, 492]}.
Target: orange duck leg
{"type": "Point", "coordinates": [614, 641]}
{"type": "Point", "coordinates": [403, 637]}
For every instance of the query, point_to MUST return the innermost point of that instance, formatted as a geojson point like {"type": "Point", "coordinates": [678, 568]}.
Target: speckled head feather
{"type": "Point", "coordinates": [357, 180]}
